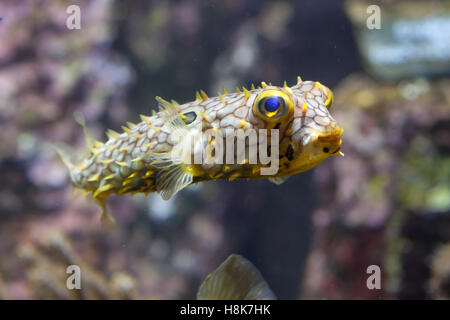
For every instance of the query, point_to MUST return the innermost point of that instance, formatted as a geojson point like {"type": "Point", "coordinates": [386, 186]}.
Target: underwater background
{"type": "Point", "coordinates": [386, 203]}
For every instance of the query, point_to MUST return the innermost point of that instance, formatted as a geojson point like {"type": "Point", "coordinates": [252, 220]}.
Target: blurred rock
{"type": "Point", "coordinates": [394, 172]}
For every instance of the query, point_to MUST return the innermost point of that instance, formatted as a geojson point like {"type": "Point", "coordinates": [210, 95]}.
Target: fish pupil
{"type": "Point", "coordinates": [326, 150]}
{"type": "Point", "coordinates": [272, 104]}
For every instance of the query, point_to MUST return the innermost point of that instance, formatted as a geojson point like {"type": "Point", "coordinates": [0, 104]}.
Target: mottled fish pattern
{"type": "Point", "coordinates": [137, 160]}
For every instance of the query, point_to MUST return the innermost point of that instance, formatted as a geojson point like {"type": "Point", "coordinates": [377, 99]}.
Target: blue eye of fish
{"type": "Point", "coordinates": [272, 104]}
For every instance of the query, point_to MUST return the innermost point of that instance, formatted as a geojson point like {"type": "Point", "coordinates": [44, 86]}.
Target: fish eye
{"type": "Point", "coordinates": [271, 105]}
{"type": "Point", "coordinates": [326, 150]}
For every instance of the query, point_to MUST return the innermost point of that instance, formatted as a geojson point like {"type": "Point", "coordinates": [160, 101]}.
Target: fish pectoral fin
{"type": "Point", "coordinates": [172, 175]}
{"type": "Point", "coordinates": [278, 180]}
{"type": "Point", "coordinates": [235, 279]}
{"type": "Point", "coordinates": [172, 179]}
{"type": "Point", "coordinates": [162, 160]}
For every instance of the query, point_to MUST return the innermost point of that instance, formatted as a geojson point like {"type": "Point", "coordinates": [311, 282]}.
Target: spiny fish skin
{"type": "Point", "coordinates": [308, 134]}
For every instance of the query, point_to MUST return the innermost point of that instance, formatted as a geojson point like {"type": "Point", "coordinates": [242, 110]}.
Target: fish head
{"type": "Point", "coordinates": [313, 133]}
{"type": "Point", "coordinates": [308, 134]}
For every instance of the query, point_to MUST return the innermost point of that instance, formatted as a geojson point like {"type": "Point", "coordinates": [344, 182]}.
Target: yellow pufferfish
{"type": "Point", "coordinates": [140, 158]}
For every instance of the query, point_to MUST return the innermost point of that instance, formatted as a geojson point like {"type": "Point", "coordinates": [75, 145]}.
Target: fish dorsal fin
{"type": "Point", "coordinates": [235, 279]}
{"type": "Point", "coordinates": [170, 114]}
{"type": "Point", "coordinates": [278, 180]}
{"type": "Point", "coordinates": [63, 154]}
{"type": "Point", "coordinates": [90, 141]}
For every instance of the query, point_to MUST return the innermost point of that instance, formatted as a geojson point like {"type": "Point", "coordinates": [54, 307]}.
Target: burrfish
{"type": "Point", "coordinates": [263, 132]}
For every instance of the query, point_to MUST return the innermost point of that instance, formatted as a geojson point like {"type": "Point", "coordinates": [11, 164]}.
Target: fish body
{"type": "Point", "coordinates": [151, 155]}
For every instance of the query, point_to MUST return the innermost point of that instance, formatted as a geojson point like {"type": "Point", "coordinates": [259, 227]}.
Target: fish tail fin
{"type": "Point", "coordinates": [235, 279]}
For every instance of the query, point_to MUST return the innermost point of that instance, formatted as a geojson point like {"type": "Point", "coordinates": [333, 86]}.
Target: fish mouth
{"type": "Point", "coordinates": [337, 150]}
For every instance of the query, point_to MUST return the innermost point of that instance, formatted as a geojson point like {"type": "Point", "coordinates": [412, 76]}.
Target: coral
{"type": "Point", "coordinates": [46, 264]}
